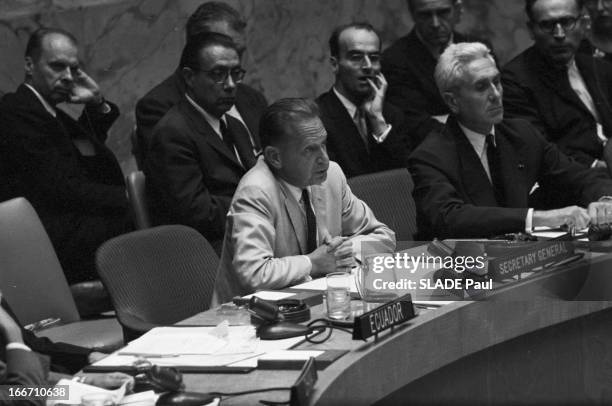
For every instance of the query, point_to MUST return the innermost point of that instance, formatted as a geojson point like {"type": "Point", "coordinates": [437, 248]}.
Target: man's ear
{"type": "Point", "coordinates": [29, 65]}
{"type": "Point", "coordinates": [451, 101]}
{"type": "Point", "coordinates": [188, 75]}
{"type": "Point", "coordinates": [334, 64]}
{"type": "Point", "coordinates": [273, 157]}
{"type": "Point", "coordinates": [530, 28]}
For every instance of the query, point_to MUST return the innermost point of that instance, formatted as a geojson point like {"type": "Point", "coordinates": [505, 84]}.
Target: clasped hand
{"type": "Point", "coordinates": [597, 213]}
{"type": "Point", "coordinates": [335, 255]}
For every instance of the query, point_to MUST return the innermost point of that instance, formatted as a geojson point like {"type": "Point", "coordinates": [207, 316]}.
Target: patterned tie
{"type": "Point", "coordinates": [245, 154]}
{"type": "Point", "coordinates": [495, 170]}
{"type": "Point", "coordinates": [362, 127]}
{"type": "Point", "coordinates": [311, 223]}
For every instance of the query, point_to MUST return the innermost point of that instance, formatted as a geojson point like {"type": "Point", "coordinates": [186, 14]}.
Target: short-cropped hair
{"type": "Point", "coordinates": [453, 62]}
{"type": "Point", "coordinates": [530, 3]}
{"type": "Point", "coordinates": [191, 51]}
{"type": "Point", "coordinates": [279, 119]}
{"type": "Point", "coordinates": [210, 12]}
{"type": "Point", "coordinates": [34, 45]}
{"type": "Point", "coordinates": [334, 39]}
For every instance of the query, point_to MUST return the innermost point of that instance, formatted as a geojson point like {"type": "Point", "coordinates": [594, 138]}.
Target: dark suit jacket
{"type": "Point", "coordinates": [151, 108]}
{"type": "Point", "coordinates": [535, 91]}
{"type": "Point", "coordinates": [21, 367]}
{"type": "Point", "coordinates": [587, 48]}
{"type": "Point", "coordinates": [346, 147]}
{"type": "Point", "coordinates": [409, 69]}
{"type": "Point", "coordinates": [191, 173]}
{"type": "Point", "coordinates": [44, 166]}
{"type": "Point", "coordinates": [455, 198]}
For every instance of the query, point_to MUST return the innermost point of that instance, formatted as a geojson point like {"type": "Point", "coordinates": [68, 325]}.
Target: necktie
{"type": "Point", "coordinates": [227, 136]}
{"type": "Point", "coordinates": [495, 170]}
{"type": "Point", "coordinates": [311, 223]}
{"type": "Point", "coordinates": [242, 151]}
{"type": "Point", "coordinates": [362, 127]}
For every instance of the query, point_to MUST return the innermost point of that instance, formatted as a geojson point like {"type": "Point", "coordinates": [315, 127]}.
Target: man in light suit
{"type": "Point", "coordinates": [198, 152]}
{"type": "Point", "coordinates": [364, 133]}
{"type": "Point", "coordinates": [293, 217]}
{"type": "Point", "coordinates": [474, 178]}
{"type": "Point", "coordinates": [212, 16]}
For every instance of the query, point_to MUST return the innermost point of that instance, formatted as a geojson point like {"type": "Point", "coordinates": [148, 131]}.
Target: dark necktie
{"type": "Point", "coordinates": [228, 138]}
{"type": "Point", "coordinates": [311, 223]}
{"type": "Point", "coordinates": [243, 152]}
{"type": "Point", "coordinates": [495, 171]}
{"type": "Point", "coordinates": [362, 127]}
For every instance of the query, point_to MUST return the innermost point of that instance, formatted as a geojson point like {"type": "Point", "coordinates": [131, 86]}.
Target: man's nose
{"type": "Point", "coordinates": [435, 21]}
{"type": "Point", "coordinates": [558, 31]}
{"type": "Point", "coordinates": [229, 83]}
{"type": "Point", "coordinates": [367, 62]}
{"type": "Point", "coordinates": [66, 75]}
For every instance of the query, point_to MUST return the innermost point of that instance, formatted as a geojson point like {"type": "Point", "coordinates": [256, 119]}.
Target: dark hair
{"type": "Point", "coordinates": [34, 45]}
{"type": "Point", "coordinates": [334, 39]}
{"type": "Point", "coordinates": [279, 118]}
{"type": "Point", "coordinates": [411, 6]}
{"type": "Point", "coordinates": [190, 55]}
{"type": "Point", "coordinates": [530, 3]}
{"type": "Point", "coordinates": [210, 12]}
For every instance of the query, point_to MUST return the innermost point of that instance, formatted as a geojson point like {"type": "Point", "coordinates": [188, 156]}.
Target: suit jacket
{"type": "Point", "coordinates": [587, 48]}
{"type": "Point", "coordinates": [455, 198]}
{"type": "Point", "coordinates": [191, 173]}
{"type": "Point", "coordinates": [151, 108]}
{"type": "Point", "coordinates": [409, 69]}
{"type": "Point", "coordinates": [535, 91]}
{"type": "Point", "coordinates": [21, 367]}
{"type": "Point", "coordinates": [265, 237]}
{"type": "Point", "coordinates": [346, 147]}
{"type": "Point", "coordinates": [43, 164]}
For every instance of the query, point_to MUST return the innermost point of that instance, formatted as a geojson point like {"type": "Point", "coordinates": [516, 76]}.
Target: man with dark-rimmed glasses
{"type": "Point", "coordinates": [565, 94]}
{"type": "Point", "coordinates": [198, 152]}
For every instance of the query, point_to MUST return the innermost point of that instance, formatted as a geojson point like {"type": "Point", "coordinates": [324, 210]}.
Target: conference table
{"type": "Point", "coordinates": [545, 339]}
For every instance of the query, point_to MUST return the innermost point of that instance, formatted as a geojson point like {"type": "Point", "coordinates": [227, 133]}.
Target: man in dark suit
{"type": "Point", "coordinates": [61, 165]}
{"type": "Point", "coordinates": [564, 94]}
{"type": "Point", "coordinates": [364, 133]}
{"type": "Point", "coordinates": [474, 178]}
{"type": "Point", "coordinates": [216, 17]}
{"type": "Point", "coordinates": [409, 63]}
{"type": "Point", "coordinates": [198, 152]}
{"type": "Point", "coordinates": [599, 38]}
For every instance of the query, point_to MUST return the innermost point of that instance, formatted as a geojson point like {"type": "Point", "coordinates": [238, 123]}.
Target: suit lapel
{"type": "Point", "coordinates": [587, 68]}
{"type": "Point", "coordinates": [294, 212]}
{"type": "Point", "coordinates": [242, 141]}
{"type": "Point", "coordinates": [344, 127]}
{"type": "Point", "coordinates": [512, 170]}
{"type": "Point", "coordinates": [249, 113]}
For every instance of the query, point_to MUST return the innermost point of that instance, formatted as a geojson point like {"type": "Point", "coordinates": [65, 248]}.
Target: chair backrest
{"type": "Point", "coordinates": [31, 277]}
{"type": "Point", "coordinates": [159, 275]}
{"type": "Point", "coordinates": [389, 195]}
{"type": "Point", "coordinates": [136, 191]}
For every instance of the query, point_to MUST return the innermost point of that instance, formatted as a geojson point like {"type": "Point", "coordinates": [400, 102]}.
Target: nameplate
{"type": "Point", "coordinates": [544, 254]}
{"type": "Point", "coordinates": [383, 317]}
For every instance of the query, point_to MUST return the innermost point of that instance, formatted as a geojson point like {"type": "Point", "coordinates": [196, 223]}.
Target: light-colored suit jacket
{"type": "Point", "coordinates": [265, 240]}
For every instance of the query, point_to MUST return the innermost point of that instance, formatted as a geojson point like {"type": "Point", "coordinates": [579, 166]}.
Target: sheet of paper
{"type": "Point", "coordinates": [147, 398]}
{"type": "Point", "coordinates": [270, 295]}
{"type": "Point", "coordinates": [290, 355]}
{"type": "Point", "coordinates": [321, 285]}
{"type": "Point", "coordinates": [432, 303]}
{"type": "Point", "coordinates": [77, 389]}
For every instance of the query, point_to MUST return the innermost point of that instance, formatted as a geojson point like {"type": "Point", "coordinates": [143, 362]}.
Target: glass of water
{"type": "Point", "coordinates": [338, 295]}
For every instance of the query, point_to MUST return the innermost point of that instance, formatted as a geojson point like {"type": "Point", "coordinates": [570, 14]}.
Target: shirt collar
{"type": "Point", "coordinates": [50, 109]}
{"type": "Point", "coordinates": [210, 119]}
{"type": "Point", "coordinates": [295, 191]}
{"type": "Point", "coordinates": [348, 105]}
{"type": "Point", "coordinates": [476, 139]}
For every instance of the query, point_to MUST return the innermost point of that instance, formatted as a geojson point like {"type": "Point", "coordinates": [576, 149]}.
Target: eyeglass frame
{"type": "Point", "coordinates": [226, 73]}
{"type": "Point", "coordinates": [559, 21]}
{"type": "Point", "coordinates": [359, 58]}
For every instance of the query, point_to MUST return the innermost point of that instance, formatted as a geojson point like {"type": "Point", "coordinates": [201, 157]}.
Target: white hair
{"type": "Point", "coordinates": [453, 61]}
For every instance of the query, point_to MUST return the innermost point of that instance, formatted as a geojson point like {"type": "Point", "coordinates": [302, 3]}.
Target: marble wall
{"type": "Point", "coordinates": [130, 45]}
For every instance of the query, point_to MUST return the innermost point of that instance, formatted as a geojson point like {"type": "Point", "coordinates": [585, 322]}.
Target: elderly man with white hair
{"type": "Point", "coordinates": [473, 179]}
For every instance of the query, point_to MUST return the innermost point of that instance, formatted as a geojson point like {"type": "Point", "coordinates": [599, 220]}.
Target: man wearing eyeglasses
{"type": "Point", "coordinates": [565, 94]}
{"type": "Point", "coordinates": [599, 42]}
{"type": "Point", "coordinates": [198, 152]}
{"type": "Point", "coordinates": [364, 133]}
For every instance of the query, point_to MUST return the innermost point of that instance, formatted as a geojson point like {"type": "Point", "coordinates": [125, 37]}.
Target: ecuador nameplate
{"type": "Point", "coordinates": [383, 317]}
{"type": "Point", "coordinates": [530, 258]}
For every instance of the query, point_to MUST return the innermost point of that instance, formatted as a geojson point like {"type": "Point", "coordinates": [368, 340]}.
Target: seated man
{"type": "Point", "coordinates": [474, 178]}
{"type": "Point", "coordinates": [212, 16]}
{"type": "Point", "coordinates": [364, 133]}
{"type": "Point", "coordinates": [293, 217]}
{"type": "Point", "coordinates": [198, 152]}
{"type": "Point", "coordinates": [564, 94]}
{"type": "Point", "coordinates": [599, 42]}
{"type": "Point", "coordinates": [61, 165]}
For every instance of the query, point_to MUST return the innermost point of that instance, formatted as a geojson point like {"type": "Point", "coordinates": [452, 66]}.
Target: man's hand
{"type": "Point", "coordinates": [345, 259]}
{"type": "Point", "coordinates": [85, 90]}
{"type": "Point", "coordinates": [600, 213]}
{"type": "Point", "coordinates": [111, 380]}
{"type": "Point", "coordinates": [374, 106]}
{"type": "Point", "coordinates": [333, 256]}
{"type": "Point", "coordinates": [323, 262]}
{"type": "Point", "coordinates": [9, 328]}
{"type": "Point", "coordinates": [572, 216]}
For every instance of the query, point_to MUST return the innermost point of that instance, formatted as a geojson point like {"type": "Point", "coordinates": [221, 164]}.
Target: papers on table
{"type": "Point", "coordinates": [320, 284]}
{"type": "Point", "coordinates": [197, 347]}
{"type": "Point", "coordinates": [77, 389]}
{"type": "Point", "coordinates": [270, 295]}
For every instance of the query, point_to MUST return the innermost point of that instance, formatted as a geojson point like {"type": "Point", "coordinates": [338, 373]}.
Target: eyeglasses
{"type": "Point", "coordinates": [567, 23]}
{"type": "Point", "coordinates": [220, 75]}
{"type": "Point", "coordinates": [592, 4]}
{"type": "Point", "coordinates": [359, 58]}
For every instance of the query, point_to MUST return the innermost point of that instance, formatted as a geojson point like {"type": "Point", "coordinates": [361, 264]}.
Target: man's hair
{"type": "Point", "coordinates": [411, 5]}
{"type": "Point", "coordinates": [453, 62]}
{"type": "Point", "coordinates": [210, 12]}
{"type": "Point", "coordinates": [191, 51]}
{"type": "Point", "coordinates": [280, 118]}
{"type": "Point", "coordinates": [334, 39]}
{"type": "Point", "coordinates": [530, 3]}
{"type": "Point", "coordinates": [34, 45]}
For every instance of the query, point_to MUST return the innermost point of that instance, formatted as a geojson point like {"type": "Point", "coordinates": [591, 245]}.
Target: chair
{"type": "Point", "coordinates": [34, 285]}
{"type": "Point", "coordinates": [136, 184]}
{"type": "Point", "coordinates": [389, 195]}
{"type": "Point", "coordinates": [137, 151]}
{"type": "Point", "coordinates": [157, 276]}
